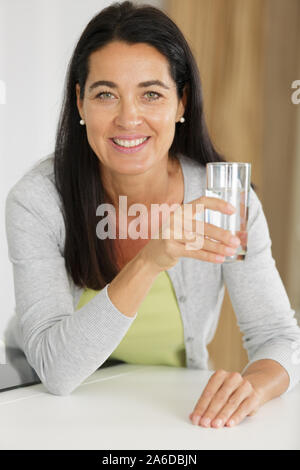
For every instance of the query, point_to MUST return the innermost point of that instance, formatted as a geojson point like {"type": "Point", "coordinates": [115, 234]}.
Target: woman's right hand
{"type": "Point", "coordinates": [209, 242]}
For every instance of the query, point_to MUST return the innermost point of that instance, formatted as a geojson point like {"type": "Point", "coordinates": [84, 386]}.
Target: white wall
{"type": "Point", "coordinates": [37, 38]}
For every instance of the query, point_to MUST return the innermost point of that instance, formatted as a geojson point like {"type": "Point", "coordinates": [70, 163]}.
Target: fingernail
{"type": "Point", "coordinates": [206, 421]}
{"type": "Point", "coordinates": [235, 241]}
{"type": "Point", "coordinates": [230, 207]}
{"type": "Point", "coordinates": [218, 423]}
{"type": "Point", "coordinates": [231, 422]}
{"type": "Point", "coordinates": [196, 420]}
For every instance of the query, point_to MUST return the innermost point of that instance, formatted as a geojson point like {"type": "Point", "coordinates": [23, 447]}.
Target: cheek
{"type": "Point", "coordinates": [165, 134]}
{"type": "Point", "coordinates": [96, 121]}
{"type": "Point", "coordinates": [165, 116]}
{"type": "Point", "coordinates": [164, 123]}
{"type": "Point", "coordinates": [96, 127]}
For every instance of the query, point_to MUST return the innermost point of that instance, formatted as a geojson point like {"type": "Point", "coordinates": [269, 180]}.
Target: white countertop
{"type": "Point", "coordinates": [138, 407]}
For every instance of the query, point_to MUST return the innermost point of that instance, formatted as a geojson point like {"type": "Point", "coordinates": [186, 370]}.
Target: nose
{"type": "Point", "coordinates": [128, 115]}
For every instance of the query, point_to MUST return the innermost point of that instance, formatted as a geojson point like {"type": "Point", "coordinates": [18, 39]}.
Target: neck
{"type": "Point", "coordinates": [154, 186]}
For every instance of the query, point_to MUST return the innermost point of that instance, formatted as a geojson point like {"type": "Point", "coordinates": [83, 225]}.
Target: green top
{"type": "Point", "coordinates": [156, 335]}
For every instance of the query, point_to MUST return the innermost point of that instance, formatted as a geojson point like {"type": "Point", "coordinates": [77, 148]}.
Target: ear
{"type": "Point", "coordinates": [79, 101]}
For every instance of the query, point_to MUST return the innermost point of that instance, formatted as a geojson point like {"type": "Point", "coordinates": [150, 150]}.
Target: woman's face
{"type": "Point", "coordinates": [128, 108]}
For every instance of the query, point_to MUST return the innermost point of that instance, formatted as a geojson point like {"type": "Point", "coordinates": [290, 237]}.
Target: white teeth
{"type": "Point", "coordinates": [129, 143]}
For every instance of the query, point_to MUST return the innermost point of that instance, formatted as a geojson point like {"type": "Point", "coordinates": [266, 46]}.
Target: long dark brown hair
{"type": "Point", "coordinates": [89, 260]}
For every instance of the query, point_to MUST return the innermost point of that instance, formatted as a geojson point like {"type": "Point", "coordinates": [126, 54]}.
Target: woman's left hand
{"type": "Point", "coordinates": [226, 400]}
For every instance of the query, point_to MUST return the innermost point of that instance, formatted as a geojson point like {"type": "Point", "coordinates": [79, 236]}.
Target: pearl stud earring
{"type": "Point", "coordinates": [182, 119]}
{"type": "Point", "coordinates": [82, 122]}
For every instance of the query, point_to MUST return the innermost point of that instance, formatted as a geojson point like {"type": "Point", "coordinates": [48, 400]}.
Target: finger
{"type": "Point", "coordinates": [217, 247]}
{"type": "Point", "coordinates": [195, 242]}
{"type": "Point", "coordinates": [214, 204]}
{"type": "Point", "coordinates": [232, 404]}
{"type": "Point", "coordinates": [220, 234]}
{"type": "Point", "coordinates": [206, 249]}
{"type": "Point", "coordinates": [197, 239]}
{"type": "Point", "coordinates": [198, 242]}
{"type": "Point", "coordinates": [232, 383]}
{"type": "Point", "coordinates": [247, 407]}
{"type": "Point", "coordinates": [195, 249]}
{"type": "Point", "coordinates": [192, 251]}
{"type": "Point", "coordinates": [213, 385]}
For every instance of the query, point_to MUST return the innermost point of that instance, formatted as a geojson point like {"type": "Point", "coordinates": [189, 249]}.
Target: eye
{"type": "Point", "coordinates": [158, 95]}
{"type": "Point", "coordinates": [103, 93]}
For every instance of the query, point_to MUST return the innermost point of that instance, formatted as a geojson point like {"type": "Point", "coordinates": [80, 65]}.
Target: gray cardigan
{"type": "Point", "coordinates": [65, 346]}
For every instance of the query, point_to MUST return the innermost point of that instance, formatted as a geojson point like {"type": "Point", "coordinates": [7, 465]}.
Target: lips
{"type": "Point", "coordinates": [129, 143]}
{"type": "Point", "coordinates": [129, 149]}
{"type": "Point", "coordinates": [129, 137]}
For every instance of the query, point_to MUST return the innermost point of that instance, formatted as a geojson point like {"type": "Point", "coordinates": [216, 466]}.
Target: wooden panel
{"type": "Point", "coordinates": [293, 254]}
{"type": "Point", "coordinates": [225, 37]}
{"type": "Point", "coordinates": [281, 68]}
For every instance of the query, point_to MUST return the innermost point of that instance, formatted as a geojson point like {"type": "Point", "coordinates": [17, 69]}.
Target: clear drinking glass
{"type": "Point", "coordinates": [230, 181]}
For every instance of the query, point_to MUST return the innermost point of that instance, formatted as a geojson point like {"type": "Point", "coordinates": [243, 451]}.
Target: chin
{"type": "Point", "coordinates": [132, 164]}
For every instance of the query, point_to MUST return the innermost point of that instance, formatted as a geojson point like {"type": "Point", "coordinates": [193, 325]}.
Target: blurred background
{"type": "Point", "coordinates": [248, 53]}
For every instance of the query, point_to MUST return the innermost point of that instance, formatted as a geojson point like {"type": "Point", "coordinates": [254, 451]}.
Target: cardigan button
{"type": "Point", "coordinates": [182, 298]}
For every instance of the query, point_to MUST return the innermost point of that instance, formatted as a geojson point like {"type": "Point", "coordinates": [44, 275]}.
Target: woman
{"type": "Point", "coordinates": [132, 126]}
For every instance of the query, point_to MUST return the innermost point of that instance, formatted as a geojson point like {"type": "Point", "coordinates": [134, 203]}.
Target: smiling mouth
{"type": "Point", "coordinates": [127, 146]}
{"type": "Point", "coordinates": [133, 143]}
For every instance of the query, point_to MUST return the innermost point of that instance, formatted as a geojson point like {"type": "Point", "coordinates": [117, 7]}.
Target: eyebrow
{"type": "Point", "coordinates": [140, 85]}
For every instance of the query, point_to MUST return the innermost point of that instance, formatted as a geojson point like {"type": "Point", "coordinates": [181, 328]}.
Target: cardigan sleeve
{"type": "Point", "coordinates": [63, 345]}
{"type": "Point", "coordinates": [263, 310]}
